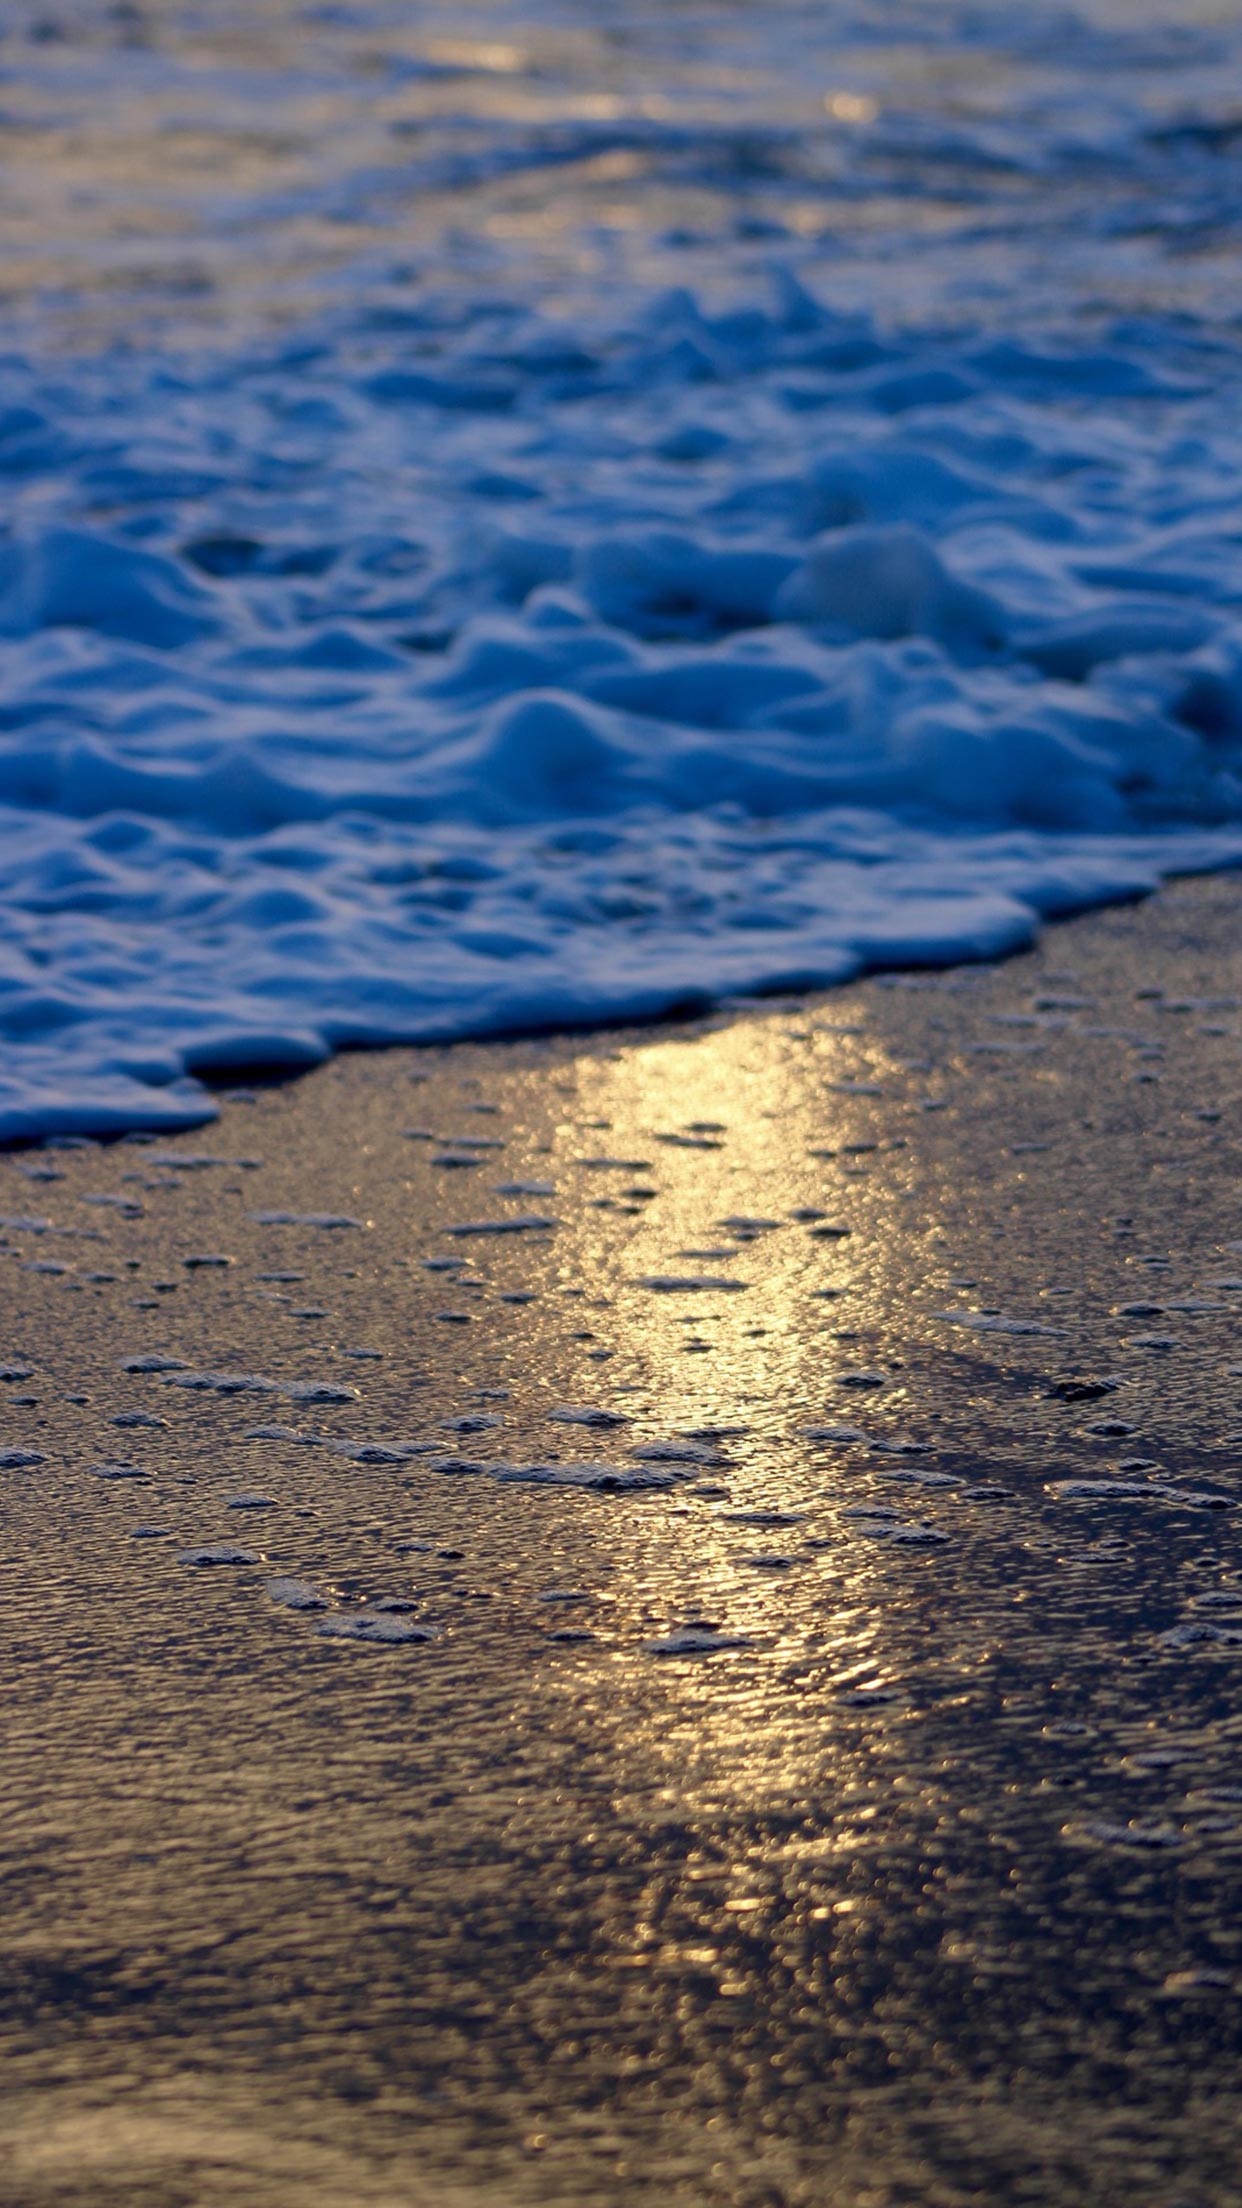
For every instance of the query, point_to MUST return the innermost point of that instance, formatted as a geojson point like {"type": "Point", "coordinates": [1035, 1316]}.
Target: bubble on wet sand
{"type": "Point", "coordinates": [1136, 1491]}
{"type": "Point", "coordinates": [993, 1322]}
{"type": "Point", "coordinates": [219, 1552]}
{"type": "Point", "coordinates": [697, 1641]}
{"type": "Point", "coordinates": [329, 1221]}
{"type": "Point", "coordinates": [217, 1383]}
{"type": "Point", "coordinates": [295, 1594]}
{"type": "Point", "coordinates": [760, 1517]}
{"type": "Point", "coordinates": [615, 1165]}
{"type": "Point", "coordinates": [605, 1479]}
{"type": "Point", "coordinates": [689, 1453]}
{"type": "Point", "coordinates": [381, 1452]}
{"type": "Point", "coordinates": [376, 1628]}
{"type": "Point", "coordinates": [906, 1536]}
{"type": "Point", "coordinates": [199, 1161]}
{"type": "Point", "coordinates": [1084, 1390]}
{"type": "Point", "coordinates": [1204, 1633]}
{"type": "Point", "coordinates": [528, 1223]}
{"type": "Point", "coordinates": [569, 1414]}
{"type": "Point", "coordinates": [1144, 1836]}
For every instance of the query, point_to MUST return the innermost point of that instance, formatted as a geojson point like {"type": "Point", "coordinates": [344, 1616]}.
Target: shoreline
{"type": "Point", "coordinates": [220, 1074]}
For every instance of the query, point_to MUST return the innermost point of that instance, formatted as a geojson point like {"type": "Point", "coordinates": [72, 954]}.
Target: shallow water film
{"type": "Point", "coordinates": [522, 516]}
{"type": "Point", "coordinates": [649, 1622]}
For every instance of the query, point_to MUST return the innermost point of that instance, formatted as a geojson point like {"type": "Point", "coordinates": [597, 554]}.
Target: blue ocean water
{"type": "Point", "coordinates": [511, 518]}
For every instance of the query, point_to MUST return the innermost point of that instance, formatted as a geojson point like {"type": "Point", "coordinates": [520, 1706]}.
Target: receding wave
{"type": "Point", "coordinates": [439, 659]}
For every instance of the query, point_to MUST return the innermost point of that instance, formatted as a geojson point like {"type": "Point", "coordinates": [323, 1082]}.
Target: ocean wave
{"type": "Point", "coordinates": [447, 662]}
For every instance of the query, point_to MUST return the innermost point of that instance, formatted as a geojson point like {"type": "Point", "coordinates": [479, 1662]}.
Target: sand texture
{"type": "Point", "coordinates": [649, 1618]}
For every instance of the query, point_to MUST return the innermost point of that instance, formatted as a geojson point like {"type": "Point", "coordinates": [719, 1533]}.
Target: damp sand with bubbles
{"type": "Point", "coordinates": [594, 1620]}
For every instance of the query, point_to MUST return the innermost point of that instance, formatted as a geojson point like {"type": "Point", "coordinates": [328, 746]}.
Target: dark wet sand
{"type": "Point", "coordinates": [913, 1880]}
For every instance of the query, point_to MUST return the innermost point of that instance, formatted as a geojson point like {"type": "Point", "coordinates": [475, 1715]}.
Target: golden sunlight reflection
{"type": "Point", "coordinates": [469, 53]}
{"type": "Point", "coordinates": [732, 1224]}
{"type": "Point", "coordinates": [851, 107]}
{"type": "Point", "coordinates": [757, 1220]}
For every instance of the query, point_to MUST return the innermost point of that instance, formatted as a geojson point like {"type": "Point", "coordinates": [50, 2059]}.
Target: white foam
{"type": "Point", "coordinates": [426, 662]}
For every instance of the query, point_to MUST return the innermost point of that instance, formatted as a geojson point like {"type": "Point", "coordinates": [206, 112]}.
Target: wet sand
{"type": "Point", "coordinates": [810, 1774]}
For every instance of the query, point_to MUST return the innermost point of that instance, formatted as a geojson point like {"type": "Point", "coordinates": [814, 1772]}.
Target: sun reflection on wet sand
{"type": "Point", "coordinates": [742, 1277]}
{"type": "Point", "coordinates": [725, 1126]}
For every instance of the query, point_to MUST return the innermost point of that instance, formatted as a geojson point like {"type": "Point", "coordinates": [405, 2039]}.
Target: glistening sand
{"type": "Point", "coordinates": [910, 1879]}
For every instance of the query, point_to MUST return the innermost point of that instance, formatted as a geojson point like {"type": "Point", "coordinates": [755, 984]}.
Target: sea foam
{"type": "Point", "coordinates": [446, 662]}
